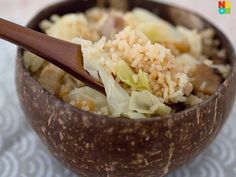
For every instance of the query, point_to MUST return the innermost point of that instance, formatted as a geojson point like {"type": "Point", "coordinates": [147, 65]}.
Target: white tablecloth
{"type": "Point", "coordinates": [23, 155]}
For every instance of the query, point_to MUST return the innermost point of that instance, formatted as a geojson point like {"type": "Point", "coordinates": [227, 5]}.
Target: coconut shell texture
{"type": "Point", "coordinates": [98, 146]}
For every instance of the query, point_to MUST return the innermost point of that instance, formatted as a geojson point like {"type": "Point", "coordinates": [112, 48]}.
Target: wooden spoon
{"type": "Point", "coordinates": [65, 55]}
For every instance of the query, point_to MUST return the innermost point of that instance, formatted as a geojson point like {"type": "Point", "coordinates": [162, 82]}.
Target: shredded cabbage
{"type": "Point", "coordinates": [32, 61]}
{"type": "Point", "coordinates": [117, 98]}
{"type": "Point", "coordinates": [155, 28]}
{"type": "Point", "coordinates": [134, 115]}
{"type": "Point", "coordinates": [142, 103]}
{"type": "Point", "coordinates": [90, 55]}
{"type": "Point", "coordinates": [146, 103]}
{"type": "Point", "coordinates": [194, 39]}
{"type": "Point", "coordinates": [87, 93]}
{"type": "Point", "coordinates": [137, 81]}
{"type": "Point", "coordinates": [139, 105]}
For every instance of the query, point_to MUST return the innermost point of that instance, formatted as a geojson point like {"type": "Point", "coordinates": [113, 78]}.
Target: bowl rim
{"type": "Point", "coordinates": [172, 116]}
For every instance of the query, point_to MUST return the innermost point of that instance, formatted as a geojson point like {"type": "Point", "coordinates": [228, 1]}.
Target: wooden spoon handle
{"type": "Point", "coordinates": [66, 55]}
{"type": "Point", "coordinates": [40, 44]}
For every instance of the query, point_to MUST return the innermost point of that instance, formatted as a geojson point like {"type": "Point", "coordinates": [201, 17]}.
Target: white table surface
{"type": "Point", "coordinates": [22, 153]}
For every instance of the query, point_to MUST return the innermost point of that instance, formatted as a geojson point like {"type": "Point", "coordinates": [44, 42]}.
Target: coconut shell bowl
{"type": "Point", "coordinates": [100, 146]}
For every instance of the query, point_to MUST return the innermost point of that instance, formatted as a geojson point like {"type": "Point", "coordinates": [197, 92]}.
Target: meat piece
{"type": "Point", "coordinates": [218, 60]}
{"type": "Point", "coordinates": [206, 80]}
{"type": "Point", "coordinates": [101, 3]}
{"type": "Point", "coordinates": [121, 4]}
{"type": "Point", "coordinates": [112, 25]}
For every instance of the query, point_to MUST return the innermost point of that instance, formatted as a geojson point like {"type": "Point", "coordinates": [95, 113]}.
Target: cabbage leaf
{"type": "Point", "coordinates": [88, 94]}
{"type": "Point", "coordinates": [155, 28]}
{"type": "Point", "coordinates": [146, 103]}
{"type": "Point", "coordinates": [117, 98]}
{"type": "Point", "coordinates": [137, 81]}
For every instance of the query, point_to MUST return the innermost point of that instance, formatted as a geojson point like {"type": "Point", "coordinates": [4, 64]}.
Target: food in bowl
{"type": "Point", "coordinates": [148, 66]}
